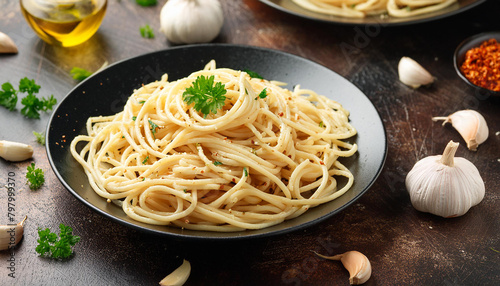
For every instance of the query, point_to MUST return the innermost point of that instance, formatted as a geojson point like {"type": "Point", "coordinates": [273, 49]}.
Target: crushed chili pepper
{"type": "Point", "coordinates": [482, 65]}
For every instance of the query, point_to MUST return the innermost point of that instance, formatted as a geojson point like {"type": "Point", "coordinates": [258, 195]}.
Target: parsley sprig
{"type": "Point", "coordinates": [147, 32]}
{"type": "Point", "coordinates": [50, 246]}
{"type": "Point", "coordinates": [35, 177]}
{"type": "Point", "coordinates": [146, 3]}
{"type": "Point", "coordinates": [207, 97]}
{"type": "Point", "coordinates": [79, 73]}
{"type": "Point", "coordinates": [32, 104]}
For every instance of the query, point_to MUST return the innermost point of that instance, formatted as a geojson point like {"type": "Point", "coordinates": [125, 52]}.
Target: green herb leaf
{"type": "Point", "coordinates": [207, 97]}
{"type": "Point", "coordinates": [134, 118]}
{"type": "Point", "coordinates": [28, 86]}
{"type": "Point", "coordinates": [253, 74]}
{"type": "Point", "coordinates": [146, 3]}
{"type": "Point", "coordinates": [263, 93]}
{"type": "Point", "coordinates": [147, 32]}
{"type": "Point", "coordinates": [40, 137]}
{"type": "Point", "coordinates": [245, 171]}
{"type": "Point", "coordinates": [145, 160]}
{"type": "Point", "coordinates": [321, 124]}
{"type": "Point", "coordinates": [35, 177]}
{"type": "Point", "coordinates": [153, 127]}
{"type": "Point", "coordinates": [79, 73]}
{"type": "Point", "coordinates": [8, 96]}
{"type": "Point", "coordinates": [217, 163]}
{"type": "Point", "coordinates": [50, 246]}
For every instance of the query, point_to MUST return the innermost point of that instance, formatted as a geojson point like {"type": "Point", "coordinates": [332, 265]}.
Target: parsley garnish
{"type": "Point", "coordinates": [153, 127]}
{"type": "Point", "coordinates": [32, 104]}
{"type": "Point", "coordinates": [206, 97]}
{"type": "Point", "coordinates": [79, 73]}
{"type": "Point", "coordinates": [253, 74]}
{"type": "Point", "coordinates": [134, 118]}
{"type": "Point", "coordinates": [147, 32]}
{"type": "Point", "coordinates": [50, 246]}
{"type": "Point", "coordinates": [40, 137]}
{"type": "Point", "coordinates": [35, 177]}
{"type": "Point", "coordinates": [263, 93]}
{"type": "Point", "coordinates": [217, 163]}
{"type": "Point", "coordinates": [145, 160]}
{"type": "Point", "coordinates": [8, 96]}
{"type": "Point", "coordinates": [321, 124]}
{"type": "Point", "coordinates": [146, 2]}
{"type": "Point", "coordinates": [245, 171]}
{"type": "Point", "coordinates": [142, 102]}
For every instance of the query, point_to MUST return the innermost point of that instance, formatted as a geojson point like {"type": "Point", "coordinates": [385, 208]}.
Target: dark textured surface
{"type": "Point", "coordinates": [405, 247]}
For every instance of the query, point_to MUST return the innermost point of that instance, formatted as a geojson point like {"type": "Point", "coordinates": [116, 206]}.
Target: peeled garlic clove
{"type": "Point", "coordinates": [356, 263]}
{"type": "Point", "coordinates": [7, 46]}
{"type": "Point", "coordinates": [470, 124]}
{"type": "Point", "coordinates": [413, 74]}
{"type": "Point", "coordinates": [179, 276]}
{"type": "Point", "coordinates": [10, 235]}
{"type": "Point", "coordinates": [14, 151]}
{"type": "Point", "coordinates": [191, 21]}
{"type": "Point", "coordinates": [445, 185]}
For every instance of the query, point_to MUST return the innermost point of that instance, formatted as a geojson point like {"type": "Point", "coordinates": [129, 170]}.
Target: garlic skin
{"type": "Point", "coordinates": [191, 21]}
{"type": "Point", "coordinates": [445, 185]}
{"type": "Point", "coordinates": [356, 263]}
{"type": "Point", "coordinates": [7, 46]}
{"type": "Point", "coordinates": [470, 124]}
{"type": "Point", "coordinates": [10, 235]}
{"type": "Point", "coordinates": [14, 151]}
{"type": "Point", "coordinates": [179, 276]}
{"type": "Point", "coordinates": [413, 74]}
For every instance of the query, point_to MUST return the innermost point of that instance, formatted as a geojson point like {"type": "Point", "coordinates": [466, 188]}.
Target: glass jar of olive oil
{"type": "Point", "coordinates": [64, 22]}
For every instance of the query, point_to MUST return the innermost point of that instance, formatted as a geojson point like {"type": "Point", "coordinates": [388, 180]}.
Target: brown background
{"type": "Point", "coordinates": [405, 247]}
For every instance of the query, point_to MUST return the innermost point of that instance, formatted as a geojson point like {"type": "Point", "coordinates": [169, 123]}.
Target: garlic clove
{"type": "Point", "coordinates": [356, 263]}
{"type": "Point", "coordinates": [470, 124]}
{"type": "Point", "coordinates": [191, 21]}
{"type": "Point", "coordinates": [10, 235]}
{"type": "Point", "coordinates": [7, 46]}
{"type": "Point", "coordinates": [14, 151]}
{"type": "Point", "coordinates": [179, 276]}
{"type": "Point", "coordinates": [413, 74]}
{"type": "Point", "coordinates": [445, 185]}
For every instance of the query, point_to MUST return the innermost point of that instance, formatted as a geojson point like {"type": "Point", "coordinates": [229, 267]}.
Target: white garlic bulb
{"type": "Point", "coordinates": [191, 21]}
{"type": "Point", "coordinates": [413, 74]}
{"type": "Point", "coordinates": [470, 124]}
{"type": "Point", "coordinates": [445, 185]}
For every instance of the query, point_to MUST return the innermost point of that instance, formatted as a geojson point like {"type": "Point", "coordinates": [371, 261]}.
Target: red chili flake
{"type": "Point", "coordinates": [322, 163]}
{"type": "Point", "coordinates": [482, 65]}
{"type": "Point", "coordinates": [281, 114]}
{"type": "Point", "coordinates": [233, 180]}
{"type": "Point", "coordinates": [221, 187]}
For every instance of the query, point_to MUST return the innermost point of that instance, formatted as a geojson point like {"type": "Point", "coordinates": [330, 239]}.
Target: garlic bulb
{"type": "Point", "coordinates": [444, 185]}
{"type": "Point", "coordinates": [179, 276]}
{"type": "Point", "coordinates": [191, 21]}
{"type": "Point", "coordinates": [356, 263]}
{"type": "Point", "coordinates": [14, 151]}
{"type": "Point", "coordinates": [470, 124]}
{"type": "Point", "coordinates": [413, 74]}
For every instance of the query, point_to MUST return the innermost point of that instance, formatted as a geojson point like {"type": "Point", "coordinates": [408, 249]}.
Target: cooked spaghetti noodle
{"type": "Point", "coordinates": [253, 164]}
{"type": "Point", "coordinates": [363, 8]}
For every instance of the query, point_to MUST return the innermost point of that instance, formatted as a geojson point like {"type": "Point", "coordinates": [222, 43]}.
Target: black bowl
{"type": "Point", "coordinates": [459, 57]}
{"type": "Point", "coordinates": [106, 92]}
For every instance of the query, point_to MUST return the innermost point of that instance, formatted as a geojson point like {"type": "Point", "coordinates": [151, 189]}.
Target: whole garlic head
{"type": "Point", "coordinates": [191, 21]}
{"type": "Point", "coordinates": [445, 185]}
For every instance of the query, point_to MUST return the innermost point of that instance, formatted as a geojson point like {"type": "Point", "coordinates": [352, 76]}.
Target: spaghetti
{"type": "Point", "coordinates": [363, 8]}
{"type": "Point", "coordinates": [253, 164]}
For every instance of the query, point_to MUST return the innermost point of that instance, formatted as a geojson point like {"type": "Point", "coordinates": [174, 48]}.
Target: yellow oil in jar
{"type": "Point", "coordinates": [64, 22]}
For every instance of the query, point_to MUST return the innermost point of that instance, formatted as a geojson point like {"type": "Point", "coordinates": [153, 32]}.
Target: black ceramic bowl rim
{"type": "Point", "coordinates": [459, 57]}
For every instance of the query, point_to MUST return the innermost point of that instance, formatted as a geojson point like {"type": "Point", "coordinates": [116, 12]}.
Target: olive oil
{"type": "Point", "coordinates": [64, 22]}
